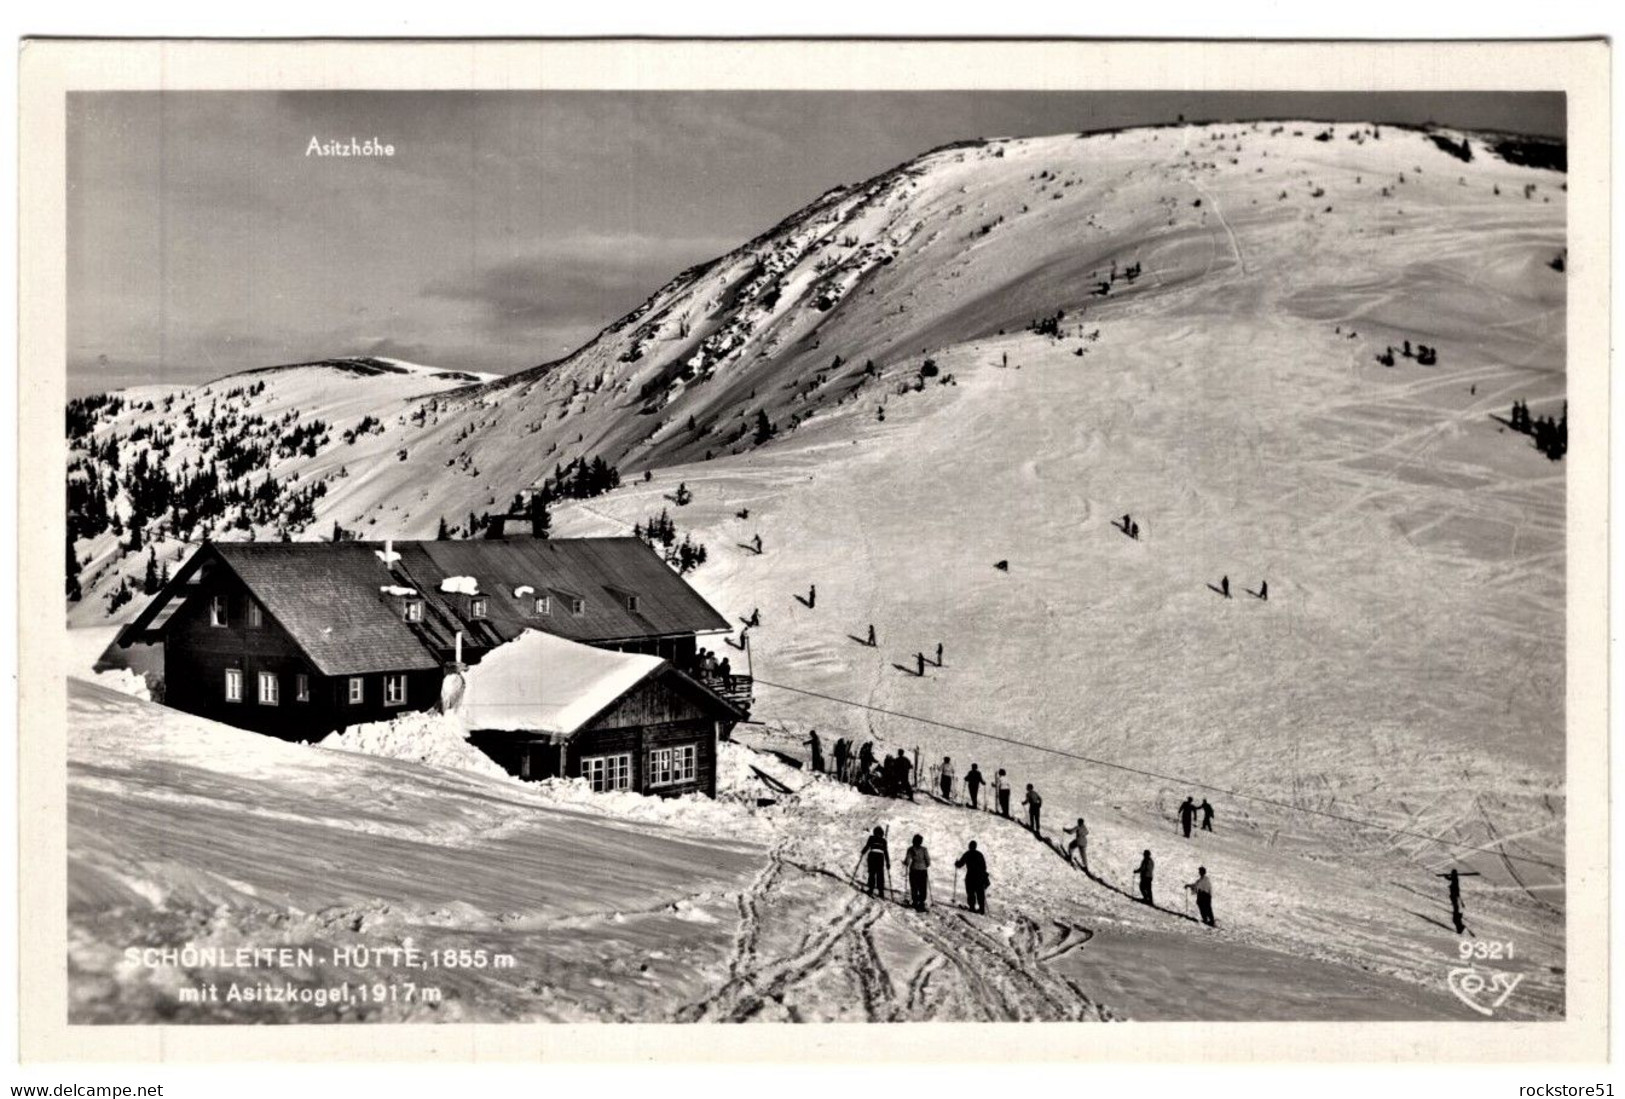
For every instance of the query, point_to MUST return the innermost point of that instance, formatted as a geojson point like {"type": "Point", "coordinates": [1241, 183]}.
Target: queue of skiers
{"type": "Point", "coordinates": [917, 861]}
{"type": "Point", "coordinates": [889, 776]}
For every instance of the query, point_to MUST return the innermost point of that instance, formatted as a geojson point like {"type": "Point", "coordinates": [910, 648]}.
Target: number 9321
{"type": "Point", "coordinates": [1482, 950]}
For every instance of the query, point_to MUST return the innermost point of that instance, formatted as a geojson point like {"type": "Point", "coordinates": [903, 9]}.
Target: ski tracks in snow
{"type": "Point", "coordinates": [806, 949]}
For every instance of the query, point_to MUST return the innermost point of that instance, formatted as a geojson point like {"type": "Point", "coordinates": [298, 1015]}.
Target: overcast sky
{"type": "Point", "coordinates": [508, 227]}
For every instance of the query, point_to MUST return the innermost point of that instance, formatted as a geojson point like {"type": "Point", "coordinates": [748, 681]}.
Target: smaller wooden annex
{"type": "Point", "coordinates": [544, 706]}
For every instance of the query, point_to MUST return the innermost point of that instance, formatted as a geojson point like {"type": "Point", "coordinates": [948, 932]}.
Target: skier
{"type": "Point", "coordinates": [1203, 888]}
{"type": "Point", "coordinates": [1187, 816]}
{"type": "Point", "coordinates": [1456, 917]}
{"type": "Point", "coordinates": [879, 861]}
{"type": "Point", "coordinates": [905, 786]}
{"type": "Point", "coordinates": [939, 654]}
{"type": "Point", "coordinates": [872, 642]}
{"type": "Point", "coordinates": [888, 776]}
{"type": "Point", "coordinates": [918, 861]}
{"type": "Point", "coordinates": [973, 784]}
{"type": "Point", "coordinates": [975, 878]}
{"type": "Point", "coordinates": [1146, 869]}
{"type": "Point", "coordinates": [1127, 522]}
{"type": "Point", "coordinates": [866, 757]}
{"type": "Point", "coordinates": [1034, 803]}
{"type": "Point", "coordinates": [1224, 586]}
{"type": "Point", "coordinates": [1080, 842]}
{"type": "Point", "coordinates": [1264, 590]}
{"type": "Point", "coordinates": [817, 752]}
{"type": "Point", "coordinates": [1134, 531]}
{"type": "Point", "coordinates": [725, 670]}
{"type": "Point", "coordinates": [1001, 787]}
{"type": "Point", "coordinates": [812, 596]}
{"type": "Point", "coordinates": [755, 616]}
{"type": "Point", "coordinates": [842, 751]}
{"type": "Point", "coordinates": [757, 542]}
{"type": "Point", "coordinates": [1207, 816]}
{"type": "Point", "coordinates": [945, 778]}
{"type": "Point", "coordinates": [919, 668]}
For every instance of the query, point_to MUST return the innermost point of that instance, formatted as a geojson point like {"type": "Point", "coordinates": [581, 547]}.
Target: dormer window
{"type": "Point", "coordinates": [478, 606]}
{"type": "Point", "coordinates": [412, 610]}
{"type": "Point", "coordinates": [542, 607]}
{"type": "Point", "coordinates": [578, 606]}
{"type": "Point", "coordinates": [217, 611]}
{"type": "Point", "coordinates": [632, 603]}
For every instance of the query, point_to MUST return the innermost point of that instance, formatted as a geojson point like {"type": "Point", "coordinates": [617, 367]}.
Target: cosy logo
{"type": "Point", "coordinates": [1483, 991]}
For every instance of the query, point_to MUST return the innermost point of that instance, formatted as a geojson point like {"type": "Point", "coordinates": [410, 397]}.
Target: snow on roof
{"type": "Point", "coordinates": [465, 585]}
{"type": "Point", "coordinates": [396, 589]}
{"type": "Point", "coordinates": [540, 683]}
{"type": "Point", "coordinates": [523, 590]}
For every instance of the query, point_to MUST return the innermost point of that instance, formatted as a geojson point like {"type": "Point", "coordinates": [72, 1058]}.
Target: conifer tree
{"type": "Point", "coordinates": [74, 591]}
{"type": "Point", "coordinates": [541, 521]}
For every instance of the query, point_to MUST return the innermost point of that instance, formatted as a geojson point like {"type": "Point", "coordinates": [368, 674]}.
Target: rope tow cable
{"type": "Point", "coordinates": [1257, 798]}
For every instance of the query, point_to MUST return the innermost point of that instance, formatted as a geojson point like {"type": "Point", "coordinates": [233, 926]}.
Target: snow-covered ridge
{"type": "Point", "coordinates": [837, 307]}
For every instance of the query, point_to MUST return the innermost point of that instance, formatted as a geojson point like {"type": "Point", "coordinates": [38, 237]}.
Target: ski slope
{"type": "Point", "coordinates": [611, 908]}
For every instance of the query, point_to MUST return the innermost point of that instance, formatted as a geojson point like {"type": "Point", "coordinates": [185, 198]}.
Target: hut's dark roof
{"type": "Point", "coordinates": [329, 596]}
{"type": "Point", "coordinates": [601, 572]}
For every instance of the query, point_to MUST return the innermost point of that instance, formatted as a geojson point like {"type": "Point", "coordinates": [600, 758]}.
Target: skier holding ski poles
{"type": "Point", "coordinates": [918, 861]}
{"type": "Point", "coordinates": [973, 784]}
{"type": "Point", "coordinates": [1080, 842]}
{"type": "Point", "coordinates": [879, 862]}
{"type": "Point", "coordinates": [1203, 888]}
{"type": "Point", "coordinates": [1145, 871]}
{"type": "Point", "coordinates": [975, 864]}
{"type": "Point", "coordinates": [1035, 804]}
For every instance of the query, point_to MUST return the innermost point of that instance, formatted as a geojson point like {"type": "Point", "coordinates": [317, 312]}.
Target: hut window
{"type": "Point", "coordinates": [477, 607]}
{"type": "Point", "coordinates": [357, 690]}
{"type": "Point", "coordinates": [270, 689]}
{"type": "Point", "coordinates": [234, 684]}
{"type": "Point", "coordinates": [668, 766]}
{"type": "Point", "coordinates": [217, 611]}
{"type": "Point", "coordinates": [608, 772]}
{"type": "Point", "coordinates": [256, 616]}
{"type": "Point", "coordinates": [301, 688]}
{"type": "Point", "coordinates": [543, 606]}
{"type": "Point", "coordinates": [632, 603]}
{"type": "Point", "coordinates": [578, 606]}
{"type": "Point", "coordinates": [414, 610]}
{"type": "Point", "coordinates": [395, 690]}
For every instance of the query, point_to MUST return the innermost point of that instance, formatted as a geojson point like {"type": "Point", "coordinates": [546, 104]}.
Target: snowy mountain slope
{"type": "Point", "coordinates": [210, 838]}
{"type": "Point", "coordinates": [303, 425]}
{"type": "Point", "coordinates": [1406, 669]}
{"type": "Point", "coordinates": [959, 243]}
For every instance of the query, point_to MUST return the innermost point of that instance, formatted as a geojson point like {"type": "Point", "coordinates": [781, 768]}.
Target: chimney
{"type": "Point", "coordinates": [389, 549]}
{"type": "Point", "coordinates": [456, 667]}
